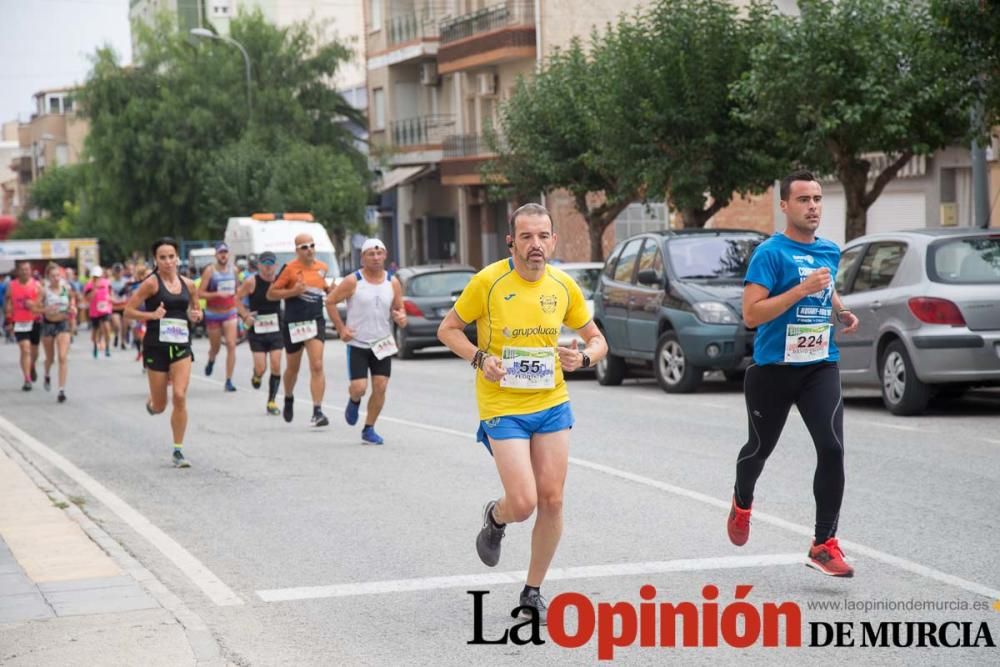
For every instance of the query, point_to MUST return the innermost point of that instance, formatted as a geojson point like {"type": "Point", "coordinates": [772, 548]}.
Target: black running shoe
{"type": "Point", "coordinates": [26, 386]}
{"type": "Point", "coordinates": [319, 419]}
{"type": "Point", "coordinates": [47, 383]}
{"type": "Point", "coordinates": [62, 396]}
{"type": "Point", "coordinates": [179, 460]}
{"type": "Point", "coordinates": [535, 600]}
{"type": "Point", "coordinates": [255, 381]}
{"type": "Point", "coordinates": [488, 540]}
{"type": "Point", "coordinates": [209, 367]}
{"type": "Point", "coordinates": [289, 411]}
{"type": "Point", "coordinates": [34, 374]}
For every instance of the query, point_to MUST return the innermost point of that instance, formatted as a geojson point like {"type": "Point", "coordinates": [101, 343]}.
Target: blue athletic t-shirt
{"type": "Point", "coordinates": [779, 264]}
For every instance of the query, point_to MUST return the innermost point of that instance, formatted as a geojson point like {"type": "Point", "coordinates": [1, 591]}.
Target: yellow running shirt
{"type": "Point", "coordinates": [511, 312]}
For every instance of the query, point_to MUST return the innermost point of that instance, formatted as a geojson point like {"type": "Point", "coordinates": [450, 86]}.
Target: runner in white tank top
{"type": "Point", "coordinates": [374, 300]}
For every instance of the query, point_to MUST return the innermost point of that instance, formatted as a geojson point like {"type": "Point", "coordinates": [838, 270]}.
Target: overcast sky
{"type": "Point", "coordinates": [47, 44]}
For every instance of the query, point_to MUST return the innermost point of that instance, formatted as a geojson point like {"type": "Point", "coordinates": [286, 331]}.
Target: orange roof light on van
{"type": "Point", "coordinates": [268, 217]}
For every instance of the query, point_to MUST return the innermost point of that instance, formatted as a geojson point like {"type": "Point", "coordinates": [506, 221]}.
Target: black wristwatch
{"type": "Point", "coordinates": [586, 360]}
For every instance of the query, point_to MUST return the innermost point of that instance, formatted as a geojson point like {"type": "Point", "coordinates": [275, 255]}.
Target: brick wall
{"type": "Point", "coordinates": [755, 212]}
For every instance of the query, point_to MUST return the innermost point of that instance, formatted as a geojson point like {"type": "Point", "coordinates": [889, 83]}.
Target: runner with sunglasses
{"type": "Point", "coordinates": [301, 283]}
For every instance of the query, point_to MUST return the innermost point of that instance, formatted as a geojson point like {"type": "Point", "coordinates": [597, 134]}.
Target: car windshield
{"type": "Point", "coordinates": [444, 283]}
{"type": "Point", "coordinates": [712, 257]}
{"type": "Point", "coordinates": [586, 279]}
{"type": "Point", "coordinates": [332, 268]}
{"type": "Point", "coordinates": [968, 261]}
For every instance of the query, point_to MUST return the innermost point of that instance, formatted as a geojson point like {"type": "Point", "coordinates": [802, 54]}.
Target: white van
{"type": "Point", "coordinates": [249, 237]}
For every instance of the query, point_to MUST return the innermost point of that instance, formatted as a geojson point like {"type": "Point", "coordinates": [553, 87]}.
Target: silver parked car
{"type": "Point", "coordinates": [929, 305]}
{"type": "Point", "coordinates": [429, 292]}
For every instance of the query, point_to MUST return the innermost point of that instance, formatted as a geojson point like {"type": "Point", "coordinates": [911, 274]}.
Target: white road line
{"type": "Point", "coordinates": [477, 580]}
{"type": "Point", "coordinates": [761, 517]}
{"type": "Point", "coordinates": [195, 570]}
{"type": "Point", "coordinates": [898, 427]}
{"type": "Point", "coordinates": [758, 516]}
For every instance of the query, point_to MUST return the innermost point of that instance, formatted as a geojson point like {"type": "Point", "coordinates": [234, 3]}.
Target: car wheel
{"type": "Point", "coordinates": [673, 371]}
{"type": "Point", "coordinates": [405, 352]}
{"type": "Point", "coordinates": [902, 392]}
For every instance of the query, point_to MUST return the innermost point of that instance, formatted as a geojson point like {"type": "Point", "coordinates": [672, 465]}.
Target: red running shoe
{"type": "Point", "coordinates": [738, 525]}
{"type": "Point", "coordinates": [828, 558]}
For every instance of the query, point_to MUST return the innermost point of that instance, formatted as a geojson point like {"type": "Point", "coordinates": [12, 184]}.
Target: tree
{"type": "Point", "coordinates": [550, 137]}
{"type": "Point", "coordinates": [972, 29]}
{"type": "Point", "coordinates": [56, 196]}
{"type": "Point", "coordinates": [667, 112]}
{"type": "Point", "coordinates": [849, 78]}
{"type": "Point", "coordinates": [166, 132]}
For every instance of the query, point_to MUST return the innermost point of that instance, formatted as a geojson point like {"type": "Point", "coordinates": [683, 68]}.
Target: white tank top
{"type": "Point", "coordinates": [369, 310]}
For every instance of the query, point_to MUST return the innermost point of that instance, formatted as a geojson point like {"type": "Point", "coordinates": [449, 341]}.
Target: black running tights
{"type": "Point", "coordinates": [770, 392]}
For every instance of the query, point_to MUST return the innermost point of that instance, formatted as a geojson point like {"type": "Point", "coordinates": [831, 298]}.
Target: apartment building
{"type": "Point", "coordinates": [437, 72]}
{"type": "Point", "coordinates": [53, 137]}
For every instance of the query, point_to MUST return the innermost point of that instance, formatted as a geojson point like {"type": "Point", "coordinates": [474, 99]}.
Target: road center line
{"type": "Point", "coordinates": [193, 568]}
{"type": "Point", "coordinates": [875, 554]}
{"type": "Point", "coordinates": [492, 579]}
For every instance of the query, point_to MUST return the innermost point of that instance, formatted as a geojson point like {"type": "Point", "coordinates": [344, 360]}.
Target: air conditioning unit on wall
{"type": "Point", "coordinates": [429, 74]}
{"type": "Point", "coordinates": [486, 84]}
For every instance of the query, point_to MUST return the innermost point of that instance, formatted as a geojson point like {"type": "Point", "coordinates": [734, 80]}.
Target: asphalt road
{"type": "Point", "coordinates": [311, 548]}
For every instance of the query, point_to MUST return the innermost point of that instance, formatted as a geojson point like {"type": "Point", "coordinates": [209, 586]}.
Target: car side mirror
{"type": "Point", "coordinates": [650, 277]}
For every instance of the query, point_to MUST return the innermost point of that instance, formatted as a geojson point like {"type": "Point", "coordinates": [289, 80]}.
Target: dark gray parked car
{"type": "Point", "coordinates": [429, 292]}
{"type": "Point", "coordinates": [673, 300]}
{"type": "Point", "coordinates": [929, 305]}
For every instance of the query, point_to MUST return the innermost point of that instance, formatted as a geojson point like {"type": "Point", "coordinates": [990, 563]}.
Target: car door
{"type": "Point", "coordinates": [616, 294]}
{"type": "Point", "coordinates": [851, 356]}
{"type": "Point", "coordinates": [644, 307]}
{"type": "Point", "coordinates": [871, 299]}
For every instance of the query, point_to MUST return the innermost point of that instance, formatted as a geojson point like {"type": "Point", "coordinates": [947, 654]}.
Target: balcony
{"type": "Point", "coordinates": [404, 38]}
{"type": "Point", "coordinates": [501, 32]}
{"type": "Point", "coordinates": [465, 145]}
{"type": "Point", "coordinates": [421, 131]}
{"type": "Point", "coordinates": [409, 28]}
{"type": "Point", "coordinates": [464, 157]}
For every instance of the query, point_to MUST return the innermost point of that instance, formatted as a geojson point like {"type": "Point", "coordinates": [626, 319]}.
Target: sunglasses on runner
{"type": "Point", "coordinates": [306, 246]}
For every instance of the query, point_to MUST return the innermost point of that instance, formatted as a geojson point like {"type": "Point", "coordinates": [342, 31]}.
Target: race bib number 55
{"type": "Point", "coordinates": [529, 367]}
{"type": "Point", "coordinates": [807, 342]}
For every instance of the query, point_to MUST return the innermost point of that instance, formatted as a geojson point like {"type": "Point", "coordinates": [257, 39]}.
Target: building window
{"type": "Point", "coordinates": [375, 15]}
{"type": "Point", "coordinates": [54, 105]}
{"type": "Point", "coordinates": [378, 109]}
{"type": "Point", "coordinates": [640, 218]}
{"type": "Point", "coordinates": [220, 7]}
{"type": "Point", "coordinates": [67, 104]}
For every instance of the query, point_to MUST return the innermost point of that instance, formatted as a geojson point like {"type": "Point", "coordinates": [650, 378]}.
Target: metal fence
{"type": "Point", "coordinates": [421, 129]}
{"type": "Point", "coordinates": [513, 12]}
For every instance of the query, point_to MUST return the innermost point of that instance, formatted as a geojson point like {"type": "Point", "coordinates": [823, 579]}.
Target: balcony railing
{"type": "Point", "coordinates": [409, 27]}
{"type": "Point", "coordinates": [494, 17]}
{"type": "Point", "coordinates": [421, 130]}
{"type": "Point", "coordinates": [466, 145]}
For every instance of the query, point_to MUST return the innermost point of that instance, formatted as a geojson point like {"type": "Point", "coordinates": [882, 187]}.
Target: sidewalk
{"type": "Point", "coordinates": [63, 599]}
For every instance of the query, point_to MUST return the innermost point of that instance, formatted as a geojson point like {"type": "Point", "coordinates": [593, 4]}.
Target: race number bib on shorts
{"type": "Point", "coordinates": [226, 287]}
{"type": "Point", "coordinates": [807, 342]}
{"type": "Point", "coordinates": [23, 327]}
{"type": "Point", "coordinates": [529, 367]}
{"type": "Point", "coordinates": [384, 347]}
{"type": "Point", "coordinates": [300, 331]}
{"type": "Point", "coordinates": [173, 330]}
{"type": "Point", "coordinates": [265, 324]}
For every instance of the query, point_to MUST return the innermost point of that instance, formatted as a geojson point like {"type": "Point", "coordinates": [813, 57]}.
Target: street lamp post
{"type": "Point", "coordinates": [208, 34]}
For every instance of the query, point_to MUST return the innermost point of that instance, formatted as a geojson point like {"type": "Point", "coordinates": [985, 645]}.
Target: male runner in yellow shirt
{"type": "Point", "coordinates": [519, 305]}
